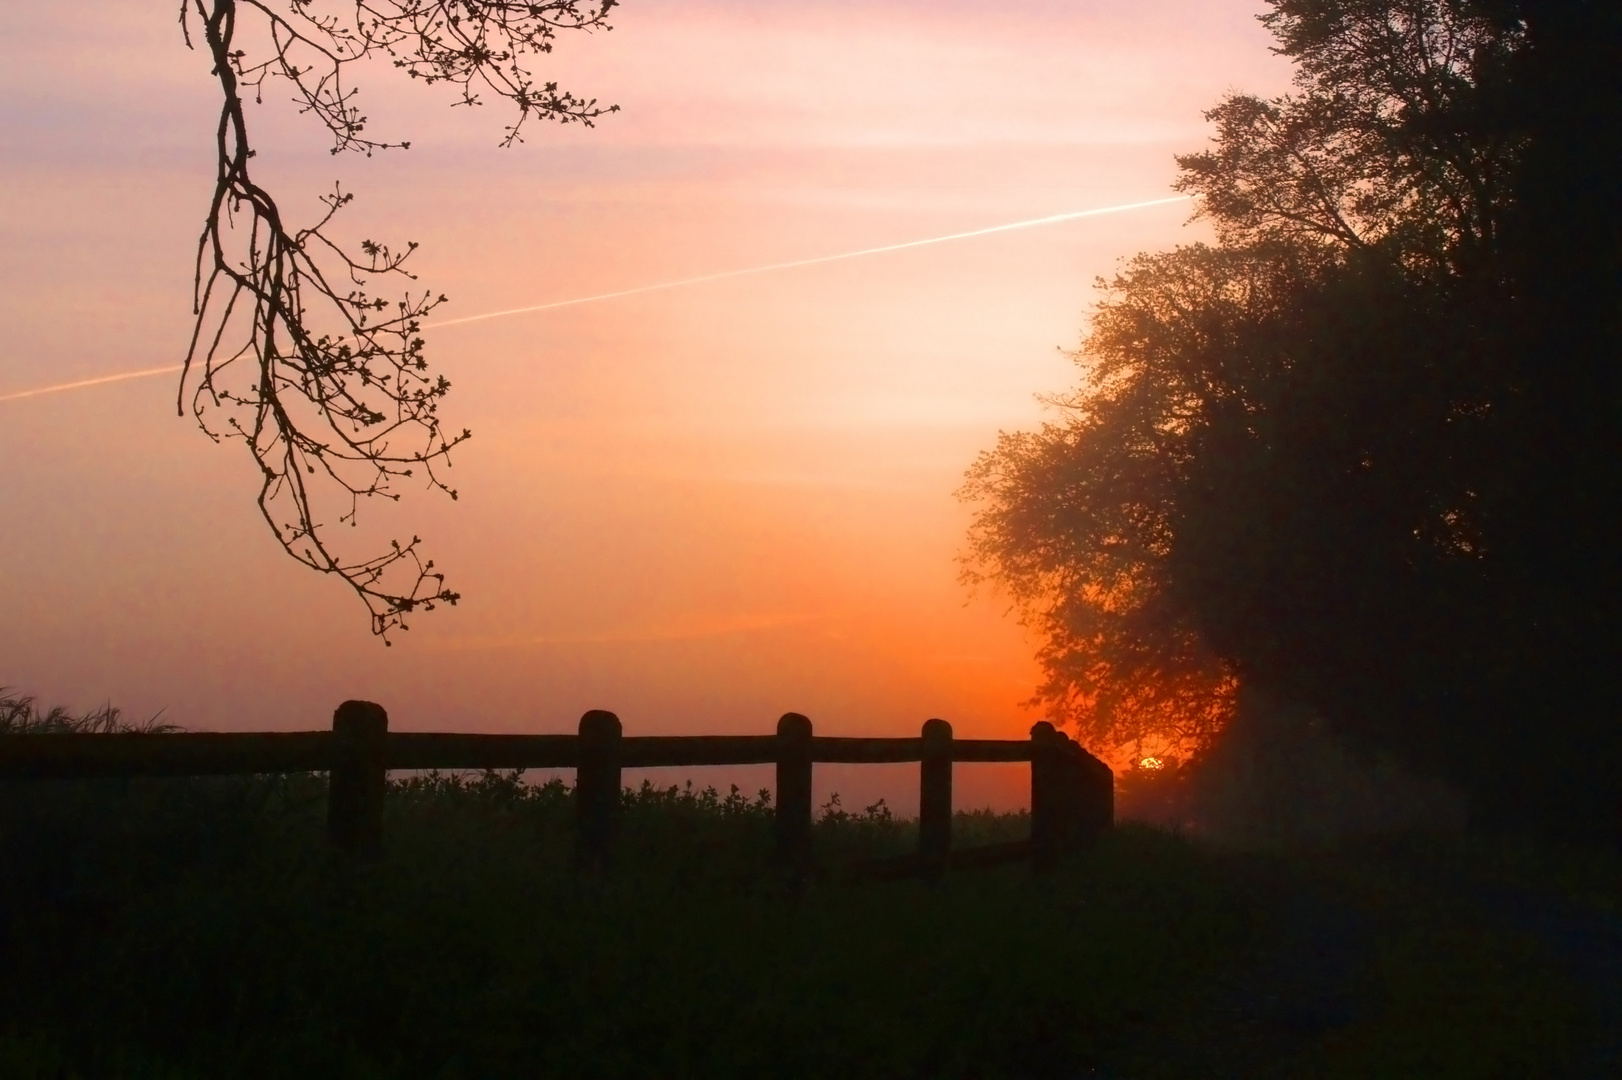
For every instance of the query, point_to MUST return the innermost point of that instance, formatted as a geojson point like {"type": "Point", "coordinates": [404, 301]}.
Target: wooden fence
{"type": "Point", "coordinates": [1072, 792]}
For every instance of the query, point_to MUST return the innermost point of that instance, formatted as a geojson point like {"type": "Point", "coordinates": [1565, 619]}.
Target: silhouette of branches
{"type": "Point", "coordinates": [293, 351]}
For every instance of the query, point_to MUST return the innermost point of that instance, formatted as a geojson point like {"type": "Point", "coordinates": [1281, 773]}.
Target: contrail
{"type": "Point", "coordinates": [1052, 219]}
{"type": "Point", "coordinates": [82, 383]}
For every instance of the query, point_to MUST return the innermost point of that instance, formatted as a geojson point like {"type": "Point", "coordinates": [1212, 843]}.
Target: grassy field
{"type": "Point", "coordinates": [191, 928]}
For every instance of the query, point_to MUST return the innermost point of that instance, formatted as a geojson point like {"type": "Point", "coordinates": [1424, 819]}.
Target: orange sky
{"type": "Point", "coordinates": [699, 507]}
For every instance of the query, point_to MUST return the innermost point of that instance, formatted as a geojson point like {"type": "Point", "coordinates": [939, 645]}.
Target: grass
{"type": "Point", "coordinates": [202, 928]}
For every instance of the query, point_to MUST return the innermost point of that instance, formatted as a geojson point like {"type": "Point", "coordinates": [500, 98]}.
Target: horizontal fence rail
{"type": "Point", "coordinates": [176, 754]}
{"type": "Point", "coordinates": [241, 753]}
{"type": "Point", "coordinates": [1072, 792]}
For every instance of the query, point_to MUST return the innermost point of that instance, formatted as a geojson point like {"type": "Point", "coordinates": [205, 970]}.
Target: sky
{"type": "Point", "coordinates": [698, 507]}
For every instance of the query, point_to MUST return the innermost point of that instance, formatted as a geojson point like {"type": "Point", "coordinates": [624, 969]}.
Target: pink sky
{"type": "Point", "coordinates": [700, 507]}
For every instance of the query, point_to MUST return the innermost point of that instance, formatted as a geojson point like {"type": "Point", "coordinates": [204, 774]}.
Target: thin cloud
{"type": "Point", "coordinates": [1033, 223]}
{"type": "Point", "coordinates": [81, 384]}
{"type": "Point", "coordinates": [688, 631]}
{"type": "Point", "coordinates": [1052, 219]}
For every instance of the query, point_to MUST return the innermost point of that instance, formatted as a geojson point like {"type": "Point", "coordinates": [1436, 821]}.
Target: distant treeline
{"type": "Point", "coordinates": [1362, 451]}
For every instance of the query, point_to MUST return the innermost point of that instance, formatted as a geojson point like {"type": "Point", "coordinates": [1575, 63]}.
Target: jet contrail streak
{"type": "Point", "coordinates": [1053, 219]}
{"type": "Point", "coordinates": [82, 383]}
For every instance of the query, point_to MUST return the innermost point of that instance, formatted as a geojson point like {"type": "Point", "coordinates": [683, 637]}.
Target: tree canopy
{"type": "Point", "coordinates": [1342, 453]}
{"type": "Point", "coordinates": [294, 352]}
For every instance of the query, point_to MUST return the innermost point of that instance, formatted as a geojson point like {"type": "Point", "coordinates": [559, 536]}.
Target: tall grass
{"type": "Point", "coordinates": [202, 928]}
{"type": "Point", "coordinates": [20, 716]}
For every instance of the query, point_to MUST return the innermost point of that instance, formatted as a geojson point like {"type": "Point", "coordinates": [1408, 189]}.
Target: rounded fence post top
{"type": "Point", "coordinates": [937, 729]}
{"type": "Point", "coordinates": [360, 718]}
{"type": "Point", "coordinates": [795, 726]}
{"type": "Point", "coordinates": [1043, 730]}
{"type": "Point", "coordinates": [599, 722]}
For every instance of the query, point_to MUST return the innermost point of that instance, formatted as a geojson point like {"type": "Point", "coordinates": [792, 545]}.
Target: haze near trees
{"type": "Point", "coordinates": [294, 351]}
{"type": "Point", "coordinates": [1362, 451]}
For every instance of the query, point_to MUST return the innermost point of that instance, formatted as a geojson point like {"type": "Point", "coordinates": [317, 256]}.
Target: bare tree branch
{"type": "Point", "coordinates": [324, 380]}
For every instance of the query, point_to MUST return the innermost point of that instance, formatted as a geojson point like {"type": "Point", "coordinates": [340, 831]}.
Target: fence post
{"type": "Point", "coordinates": [1071, 792]}
{"type": "Point", "coordinates": [1047, 796]}
{"type": "Point", "coordinates": [357, 778]}
{"type": "Point", "coordinates": [596, 789]}
{"type": "Point", "coordinates": [794, 789]}
{"type": "Point", "coordinates": [935, 795]}
{"type": "Point", "coordinates": [1097, 810]}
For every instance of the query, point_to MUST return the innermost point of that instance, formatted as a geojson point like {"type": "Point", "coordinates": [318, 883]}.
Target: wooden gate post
{"type": "Point", "coordinates": [1097, 795]}
{"type": "Point", "coordinates": [1047, 796]}
{"type": "Point", "coordinates": [1071, 794]}
{"type": "Point", "coordinates": [935, 795]}
{"type": "Point", "coordinates": [794, 789]}
{"type": "Point", "coordinates": [360, 731]}
{"type": "Point", "coordinates": [596, 789]}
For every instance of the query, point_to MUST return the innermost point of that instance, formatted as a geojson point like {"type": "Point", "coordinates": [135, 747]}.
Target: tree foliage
{"type": "Point", "coordinates": [294, 351]}
{"type": "Point", "coordinates": [1381, 146]}
{"type": "Point", "coordinates": [1319, 455]}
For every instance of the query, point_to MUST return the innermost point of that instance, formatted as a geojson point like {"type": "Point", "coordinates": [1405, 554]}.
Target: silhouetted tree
{"type": "Point", "coordinates": [1559, 527]}
{"type": "Point", "coordinates": [1340, 454]}
{"type": "Point", "coordinates": [293, 352]}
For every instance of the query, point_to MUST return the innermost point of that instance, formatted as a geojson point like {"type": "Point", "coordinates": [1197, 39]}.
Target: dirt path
{"type": "Point", "coordinates": [1338, 964]}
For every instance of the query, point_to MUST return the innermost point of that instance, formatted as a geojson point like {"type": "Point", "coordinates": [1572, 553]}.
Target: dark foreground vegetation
{"type": "Point", "coordinates": [203, 928]}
